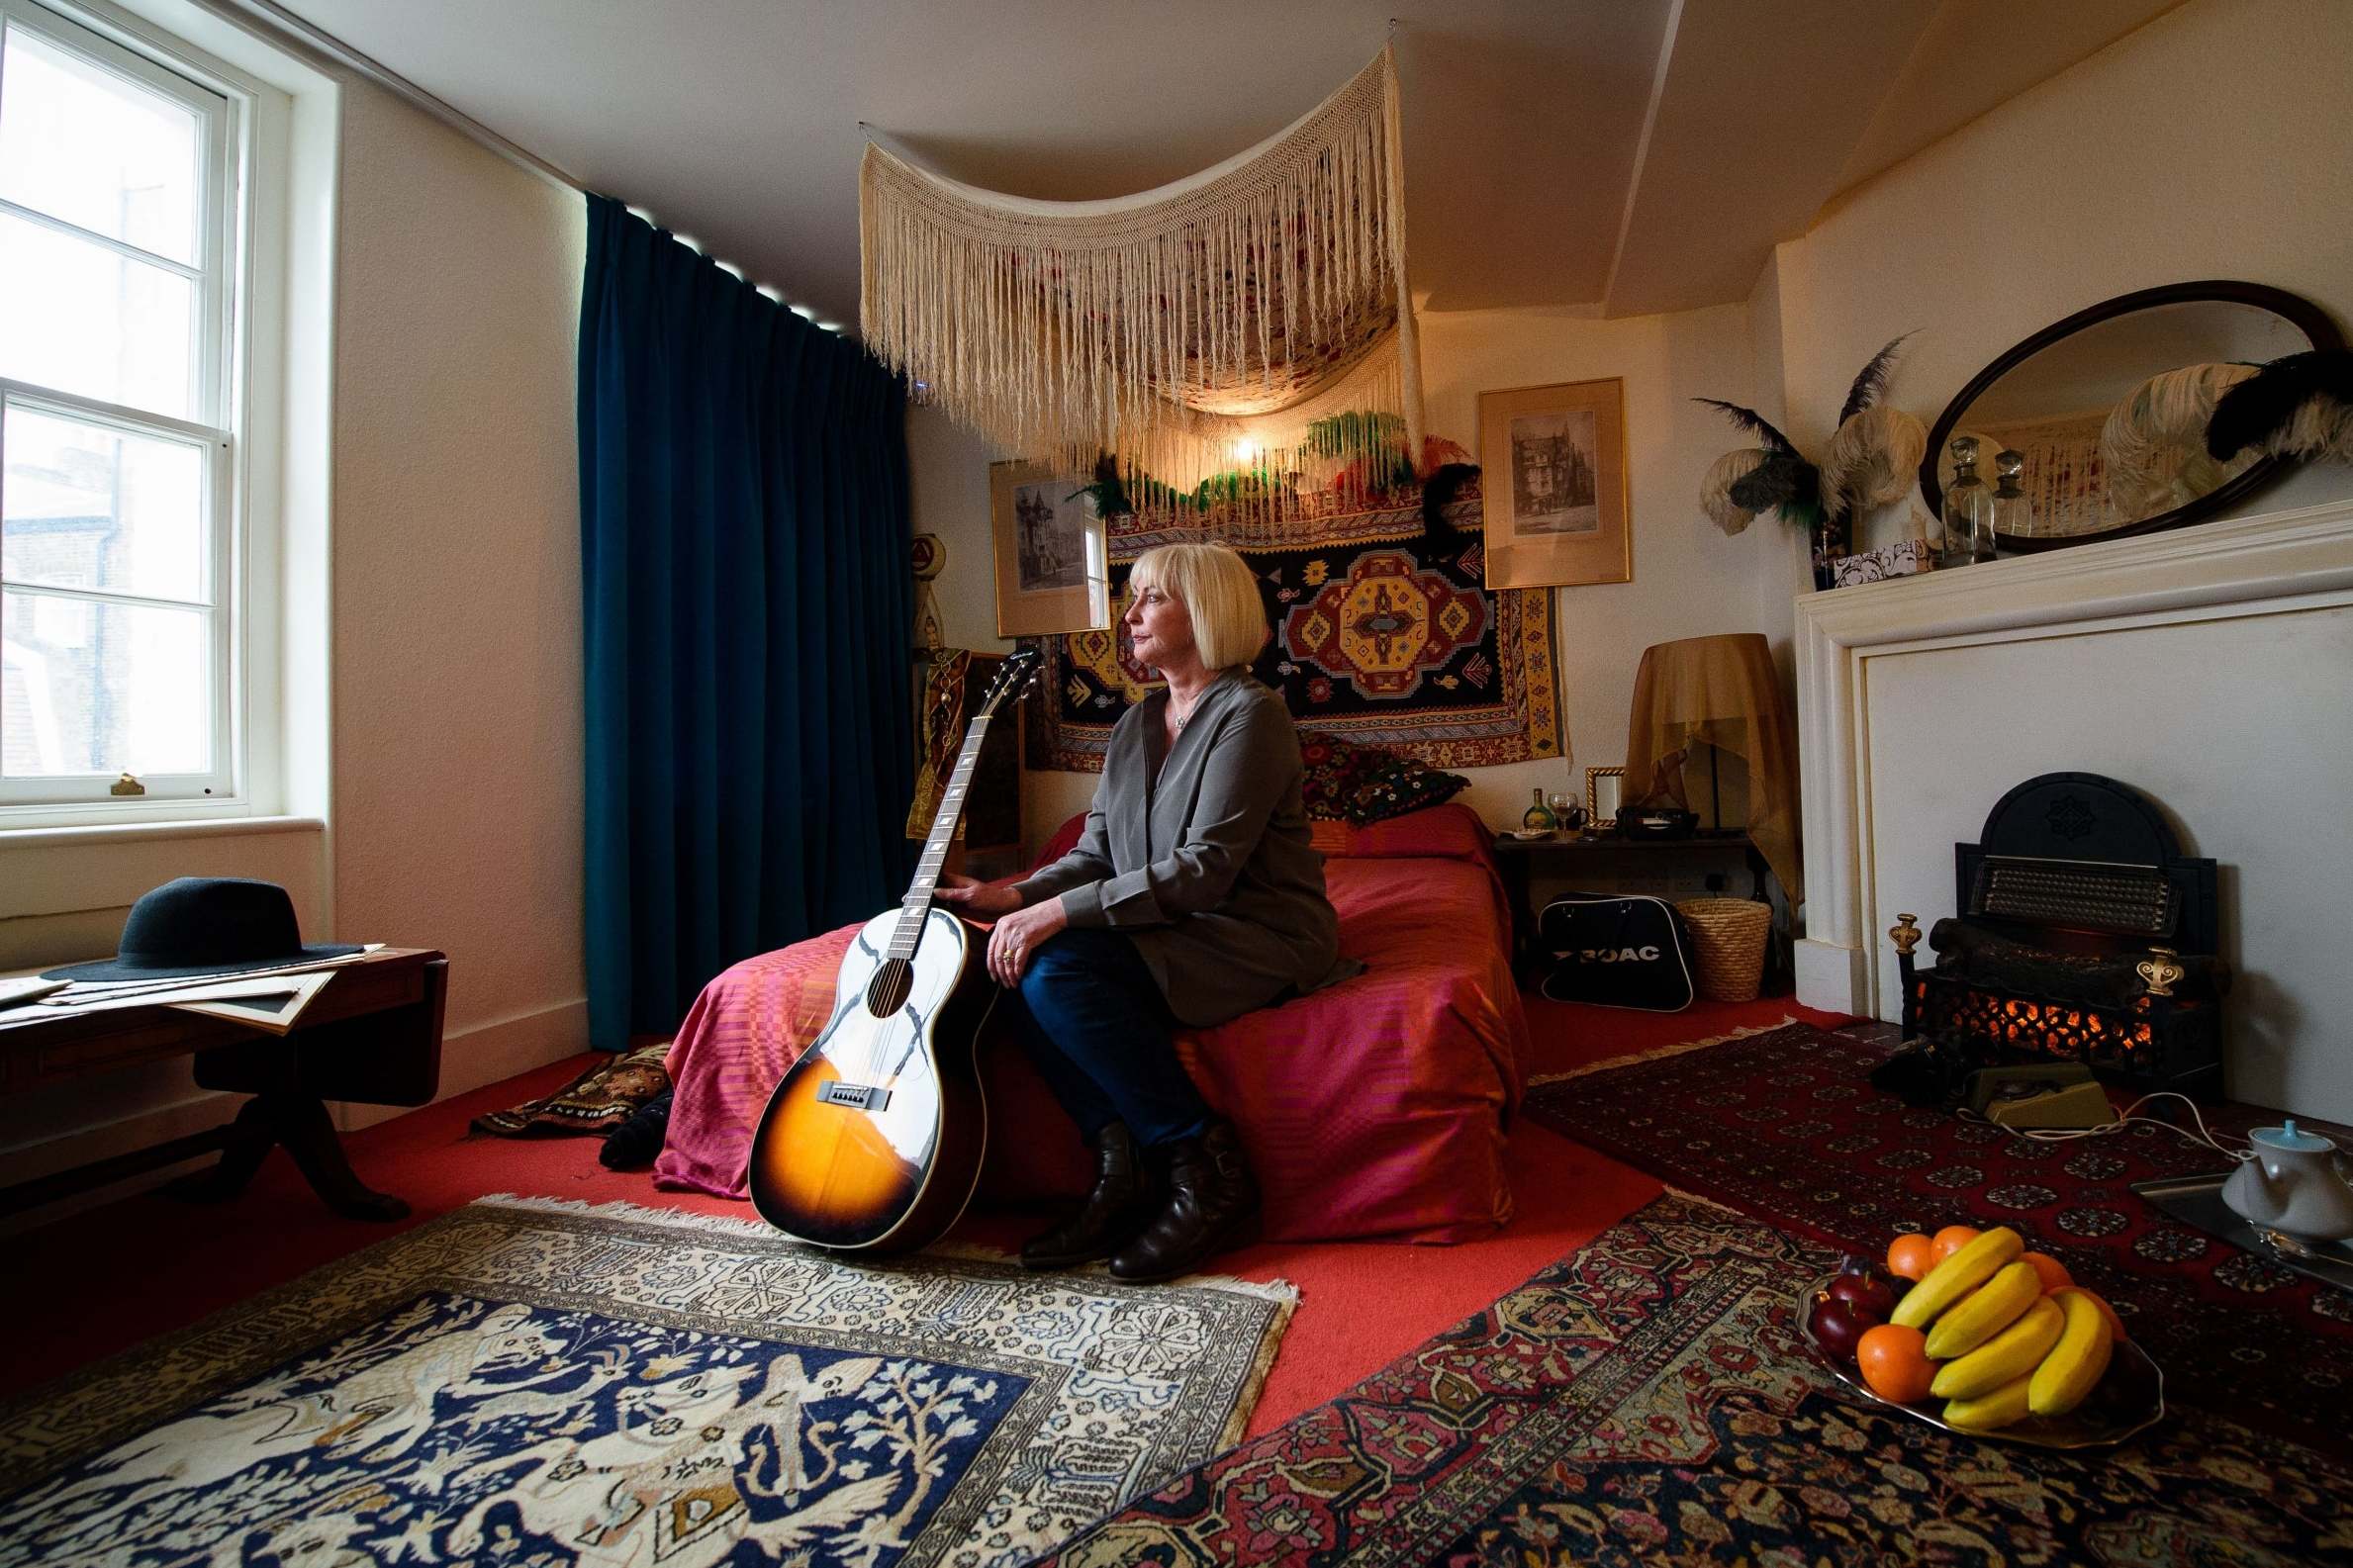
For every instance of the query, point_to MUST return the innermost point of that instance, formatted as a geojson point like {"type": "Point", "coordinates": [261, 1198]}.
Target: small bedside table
{"type": "Point", "coordinates": [1581, 858]}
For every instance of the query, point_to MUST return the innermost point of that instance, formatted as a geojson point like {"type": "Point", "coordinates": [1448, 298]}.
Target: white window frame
{"type": "Point", "coordinates": [225, 400]}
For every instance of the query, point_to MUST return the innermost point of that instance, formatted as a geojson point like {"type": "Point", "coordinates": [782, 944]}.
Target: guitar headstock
{"type": "Point", "coordinates": [1013, 678]}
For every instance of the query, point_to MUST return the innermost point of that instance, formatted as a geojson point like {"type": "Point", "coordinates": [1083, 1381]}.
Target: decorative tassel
{"type": "Point", "coordinates": [1238, 310]}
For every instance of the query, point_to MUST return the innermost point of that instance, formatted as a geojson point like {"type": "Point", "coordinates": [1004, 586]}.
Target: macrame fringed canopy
{"type": "Point", "coordinates": [1248, 326]}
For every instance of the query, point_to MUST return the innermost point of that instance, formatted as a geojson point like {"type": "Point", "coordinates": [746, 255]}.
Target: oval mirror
{"type": "Point", "coordinates": [2105, 448]}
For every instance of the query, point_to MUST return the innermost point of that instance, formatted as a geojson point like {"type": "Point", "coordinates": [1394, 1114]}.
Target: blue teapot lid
{"type": "Point", "coordinates": [2290, 1138]}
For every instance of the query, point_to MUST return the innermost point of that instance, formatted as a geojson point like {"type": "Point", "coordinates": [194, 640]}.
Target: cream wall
{"type": "Point", "coordinates": [457, 666]}
{"type": "Point", "coordinates": [453, 814]}
{"type": "Point", "coordinates": [1689, 579]}
{"type": "Point", "coordinates": [2209, 143]}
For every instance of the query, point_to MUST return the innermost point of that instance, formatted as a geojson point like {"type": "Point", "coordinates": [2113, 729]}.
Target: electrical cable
{"type": "Point", "coordinates": [2061, 1135]}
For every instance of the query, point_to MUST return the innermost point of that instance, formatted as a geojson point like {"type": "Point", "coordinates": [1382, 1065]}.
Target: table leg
{"type": "Point", "coordinates": [300, 1123]}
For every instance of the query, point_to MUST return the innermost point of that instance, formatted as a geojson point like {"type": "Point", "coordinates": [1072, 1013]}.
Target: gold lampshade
{"type": "Point", "coordinates": [1722, 690]}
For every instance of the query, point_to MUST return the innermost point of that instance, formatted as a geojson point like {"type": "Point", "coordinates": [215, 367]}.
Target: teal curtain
{"type": "Point", "coordinates": [743, 512]}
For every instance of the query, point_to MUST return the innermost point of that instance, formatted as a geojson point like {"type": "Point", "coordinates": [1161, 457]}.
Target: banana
{"type": "Point", "coordinates": [1985, 1312]}
{"type": "Point", "coordinates": [2003, 1407]}
{"type": "Point", "coordinates": [1956, 1276]}
{"type": "Point", "coordinates": [2007, 1357]}
{"type": "Point", "coordinates": [2075, 1364]}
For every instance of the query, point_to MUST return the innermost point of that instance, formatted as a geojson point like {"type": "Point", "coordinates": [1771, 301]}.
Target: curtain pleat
{"type": "Point", "coordinates": [748, 612]}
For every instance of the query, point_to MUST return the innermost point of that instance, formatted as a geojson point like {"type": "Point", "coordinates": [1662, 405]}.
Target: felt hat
{"type": "Point", "coordinates": [206, 924]}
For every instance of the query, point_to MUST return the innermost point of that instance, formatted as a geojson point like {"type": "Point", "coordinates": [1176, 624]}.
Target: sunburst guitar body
{"type": "Point", "coordinates": [872, 1140]}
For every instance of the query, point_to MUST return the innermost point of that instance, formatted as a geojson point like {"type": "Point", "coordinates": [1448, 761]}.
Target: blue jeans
{"type": "Point", "coordinates": [1092, 1019]}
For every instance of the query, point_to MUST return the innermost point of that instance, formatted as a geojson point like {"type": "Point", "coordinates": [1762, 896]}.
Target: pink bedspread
{"type": "Point", "coordinates": [1375, 1107]}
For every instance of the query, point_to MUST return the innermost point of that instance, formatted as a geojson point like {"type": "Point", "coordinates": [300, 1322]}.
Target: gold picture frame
{"type": "Point", "coordinates": [1595, 817]}
{"type": "Point", "coordinates": [1053, 572]}
{"type": "Point", "coordinates": [1553, 469]}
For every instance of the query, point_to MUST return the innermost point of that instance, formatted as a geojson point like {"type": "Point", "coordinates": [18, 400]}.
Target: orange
{"type": "Point", "coordinates": [1911, 1257]}
{"type": "Point", "coordinates": [2054, 1273]}
{"type": "Point", "coordinates": [1952, 1239]}
{"type": "Point", "coordinates": [2114, 1323]}
{"type": "Point", "coordinates": [1895, 1362]}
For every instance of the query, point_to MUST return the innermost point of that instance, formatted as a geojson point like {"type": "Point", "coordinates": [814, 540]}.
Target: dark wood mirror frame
{"type": "Point", "coordinates": [2299, 312]}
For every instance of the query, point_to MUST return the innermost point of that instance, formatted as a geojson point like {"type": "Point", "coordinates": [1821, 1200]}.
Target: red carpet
{"type": "Point", "coordinates": [112, 1276]}
{"type": "Point", "coordinates": [1786, 1126]}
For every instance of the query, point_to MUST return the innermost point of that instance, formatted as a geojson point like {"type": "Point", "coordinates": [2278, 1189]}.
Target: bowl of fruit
{"type": "Point", "coordinates": [1971, 1332]}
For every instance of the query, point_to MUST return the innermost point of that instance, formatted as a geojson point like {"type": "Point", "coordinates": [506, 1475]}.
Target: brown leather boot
{"type": "Point", "coordinates": [1212, 1206]}
{"type": "Point", "coordinates": [1114, 1209]}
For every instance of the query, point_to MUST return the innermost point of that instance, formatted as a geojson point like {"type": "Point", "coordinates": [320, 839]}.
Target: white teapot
{"type": "Point", "coordinates": [2295, 1184]}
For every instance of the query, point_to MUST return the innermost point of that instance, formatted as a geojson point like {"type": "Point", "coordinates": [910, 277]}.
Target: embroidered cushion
{"type": "Point", "coordinates": [1348, 782]}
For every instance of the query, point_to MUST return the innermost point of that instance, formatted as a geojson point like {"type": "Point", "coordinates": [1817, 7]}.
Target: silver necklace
{"type": "Point", "coordinates": [1185, 717]}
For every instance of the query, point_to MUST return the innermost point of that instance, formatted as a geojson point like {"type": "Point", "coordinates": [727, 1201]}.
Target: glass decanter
{"type": "Point", "coordinates": [2013, 516]}
{"type": "Point", "coordinates": [1968, 509]}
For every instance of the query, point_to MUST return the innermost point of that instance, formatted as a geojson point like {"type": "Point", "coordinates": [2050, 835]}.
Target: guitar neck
{"type": "Point", "coordinates": [917, 905]}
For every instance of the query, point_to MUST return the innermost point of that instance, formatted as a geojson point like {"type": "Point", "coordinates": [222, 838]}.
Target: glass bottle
{"type": "Point", "coordinates": [1540, 816]}
{"type": "Point", "coordinates": [1968, 509]}
{"type": "Point", "coordinates": [2012, 514]}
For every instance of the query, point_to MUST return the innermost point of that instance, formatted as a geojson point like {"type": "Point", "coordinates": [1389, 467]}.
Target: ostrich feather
{"type": "Point", "coordinates": [1873, 459]}
{"type": "Point", "coordinates": [1783, 481]}
{"type": "Point", "coordinates": [2298, 406]}
{"type": "Point", "coordinates": [1715, 492]}
{"type": "Point", "coordinates": [1755, 423]}
{"type": "Point", "coordinates": [2154, 444]}
{"type": "Point", "coordinates": [1872, 382]}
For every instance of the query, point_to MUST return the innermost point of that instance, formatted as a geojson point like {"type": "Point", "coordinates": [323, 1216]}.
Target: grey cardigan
{"type": "Point", "coordinates": [1207, 868]}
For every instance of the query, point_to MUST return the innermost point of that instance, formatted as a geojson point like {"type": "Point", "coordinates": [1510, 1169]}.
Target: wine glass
{"type": "Point", "coordinates": [1561, 804]}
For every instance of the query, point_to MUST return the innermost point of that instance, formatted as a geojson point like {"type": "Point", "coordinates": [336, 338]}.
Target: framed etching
{"type": "Point", "coordinates": [1052, 572]}
{"type": "Point", "coordinates": [1553, 467]}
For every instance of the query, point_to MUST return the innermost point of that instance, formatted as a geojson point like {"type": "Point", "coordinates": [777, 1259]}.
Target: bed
{"type": "Point", "coordinates": [1376, 1107]}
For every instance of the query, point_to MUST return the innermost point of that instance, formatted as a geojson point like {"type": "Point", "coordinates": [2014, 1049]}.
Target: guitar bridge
{"type": "Point", "coordinates": [857, 1096]}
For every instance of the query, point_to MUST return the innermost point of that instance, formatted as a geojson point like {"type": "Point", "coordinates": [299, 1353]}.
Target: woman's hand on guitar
{"type": "Point", "coordinates": [1020, 934]}
{"type": "Point", "coordinates": [976, 898]}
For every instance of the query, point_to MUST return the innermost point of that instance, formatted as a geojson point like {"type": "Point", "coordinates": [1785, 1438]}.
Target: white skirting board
{"type": "Point", "coordinates": [2211, 667]}
{"type": "Point", "coordinates": [118, 1112]}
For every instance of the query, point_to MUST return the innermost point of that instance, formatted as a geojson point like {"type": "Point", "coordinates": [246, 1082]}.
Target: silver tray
{"type": "Point", "coordinates": [2197, 1201]}
{"type": "Point", "coordinates": [2074, 1431]}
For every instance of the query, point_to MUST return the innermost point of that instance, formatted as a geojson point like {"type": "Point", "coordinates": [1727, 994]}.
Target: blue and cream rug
{"type": "Point", "coordinates": [531, 1383]}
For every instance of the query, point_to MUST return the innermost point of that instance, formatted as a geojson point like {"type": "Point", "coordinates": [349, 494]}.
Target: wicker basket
{"type": "Point", "coordinates": [1728, 939]}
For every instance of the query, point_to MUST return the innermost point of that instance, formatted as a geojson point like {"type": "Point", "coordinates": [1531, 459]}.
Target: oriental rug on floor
{"type": "Point", "coordinates": [1786, 1126]}
{"type": "Point", "coordinates": [531, 1383]}
{"type": "Point", "coordinates": [1649, 1400]}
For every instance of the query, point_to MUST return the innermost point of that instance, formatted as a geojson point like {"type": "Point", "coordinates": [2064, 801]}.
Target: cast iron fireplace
{"type": "Point", "coordinates": [2084, 934]}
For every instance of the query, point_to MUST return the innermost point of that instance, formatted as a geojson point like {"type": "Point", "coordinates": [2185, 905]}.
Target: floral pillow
{"type": "Point", "coordinates": [1346, 783]}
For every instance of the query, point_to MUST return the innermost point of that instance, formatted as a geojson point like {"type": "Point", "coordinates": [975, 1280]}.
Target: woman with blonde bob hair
{"type": "Point", "coordinates": [1193, 897]}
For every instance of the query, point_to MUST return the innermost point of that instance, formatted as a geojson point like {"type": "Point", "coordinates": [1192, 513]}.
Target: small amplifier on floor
{"type": "Point", "coordinates": [2058, 1094]}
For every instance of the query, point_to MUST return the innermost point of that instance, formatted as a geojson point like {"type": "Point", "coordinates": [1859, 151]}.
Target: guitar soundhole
{"type": "Point", "coordinates": [887, 991]}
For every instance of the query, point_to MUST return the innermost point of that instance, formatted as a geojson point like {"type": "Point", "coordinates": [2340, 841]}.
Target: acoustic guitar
{"type": "Point", "coordinates": [873, 1141]}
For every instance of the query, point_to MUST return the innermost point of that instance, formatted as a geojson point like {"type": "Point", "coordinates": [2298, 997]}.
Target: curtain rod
{"type": "Point", "coordinates": [271, 16]}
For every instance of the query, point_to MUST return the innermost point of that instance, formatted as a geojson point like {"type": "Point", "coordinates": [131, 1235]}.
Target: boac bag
{"type": "Point", "coordinates": [1615, 952]}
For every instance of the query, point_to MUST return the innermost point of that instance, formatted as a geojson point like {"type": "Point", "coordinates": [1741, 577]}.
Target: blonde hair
{"type": "Point", "coordinates": [1220, 592]}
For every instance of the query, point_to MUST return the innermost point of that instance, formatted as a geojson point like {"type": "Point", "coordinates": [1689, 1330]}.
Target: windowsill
{"type": "Point", "coordinates": [138, 832]}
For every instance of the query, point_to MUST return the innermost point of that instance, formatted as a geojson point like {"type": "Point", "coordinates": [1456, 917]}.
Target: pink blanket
{"type": "Point", "coordinates": [1375, 1107]}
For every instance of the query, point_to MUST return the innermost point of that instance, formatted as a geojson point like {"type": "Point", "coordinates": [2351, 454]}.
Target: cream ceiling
{"type": "Point", "coordinates": [1619, 155]}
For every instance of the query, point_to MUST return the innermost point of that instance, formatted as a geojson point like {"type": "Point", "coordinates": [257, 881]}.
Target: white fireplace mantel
{"type": "Point", "coordinates": [2219, 575]}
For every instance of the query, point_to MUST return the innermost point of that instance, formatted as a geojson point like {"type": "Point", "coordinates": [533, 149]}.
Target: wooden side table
{"type": "Point", "coordinates": [1592, 857]}
{"type": "Point", "coordinates": [372, 1034]}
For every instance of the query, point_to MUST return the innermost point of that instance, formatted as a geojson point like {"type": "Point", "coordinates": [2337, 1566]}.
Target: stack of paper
{"type": "Point", "coordinates": [270, 998]}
